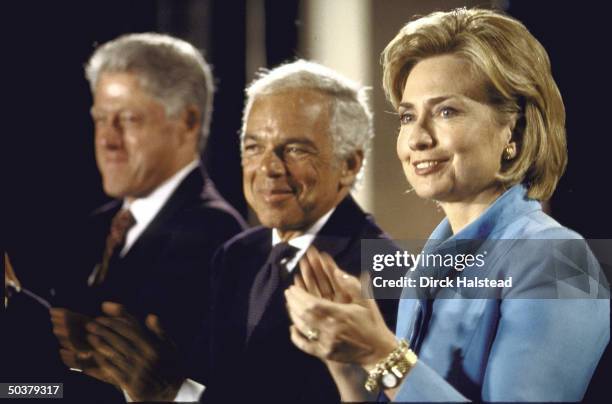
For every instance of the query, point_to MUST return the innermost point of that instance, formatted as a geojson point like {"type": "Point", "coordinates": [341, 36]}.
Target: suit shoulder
{"type": "Point", "coordinates": [371, 230]}
{"type": "Point", "coordinates": [207, 203]}
{"type": "Point", "coordinates": [222, 215]}
{"type": "Point", "coordinates": [107, 208]}
{"type": "Point", "coordinates": [247, 239]}
{"type": "Point", "coordinates": [212, 213]}
{"type": "Point", "coordinates": [220, 207]}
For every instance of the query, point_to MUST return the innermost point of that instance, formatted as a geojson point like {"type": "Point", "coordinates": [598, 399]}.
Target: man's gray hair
{"type": "Point", "coordinates": [351, 118]}
{"type": "Point", "coordinates": [170, 69]}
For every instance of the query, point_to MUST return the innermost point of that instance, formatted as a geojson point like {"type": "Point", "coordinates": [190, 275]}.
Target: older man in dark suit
{"type": "Point", "coordinates": [306, 131]}
{"type": "Point", "coordinates": [153, 244]}
{"type": "Point", "coordinates": [305, 134]}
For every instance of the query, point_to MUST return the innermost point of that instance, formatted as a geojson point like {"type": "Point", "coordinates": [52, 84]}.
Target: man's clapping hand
{"type": "Point", "coordinates": [118, 349]}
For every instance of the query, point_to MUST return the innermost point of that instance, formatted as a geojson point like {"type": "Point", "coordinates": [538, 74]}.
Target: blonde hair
{"type": "Point", "coordinates": [519, 81]}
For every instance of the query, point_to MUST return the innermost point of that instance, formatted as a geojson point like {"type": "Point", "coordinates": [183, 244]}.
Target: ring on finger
{"type": "Point", "coordinates": [312, 334]}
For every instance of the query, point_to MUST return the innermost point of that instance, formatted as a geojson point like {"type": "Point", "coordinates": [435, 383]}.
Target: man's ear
{"type": "Point", "coordinates": [191, 122]}
{"type": "Point", "coordinates": [351, 165]}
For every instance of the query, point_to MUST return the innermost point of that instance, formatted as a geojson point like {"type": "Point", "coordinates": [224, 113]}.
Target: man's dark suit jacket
{"type": "Point", "coordinates": [167, 268]}
{"type": "Point", "coordinates": [269, 368]}
{"type": "Point", "coordinates": [166, 271]}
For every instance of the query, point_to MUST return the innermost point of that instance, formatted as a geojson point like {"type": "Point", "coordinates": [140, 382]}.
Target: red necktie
{"type": "Point", "coordinates": [122, 222]}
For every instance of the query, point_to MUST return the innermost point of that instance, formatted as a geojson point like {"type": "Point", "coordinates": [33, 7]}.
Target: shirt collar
{"type": "Point", "coordinates": [144, 209]}
{"type": "Point", "coordinates": [303, 241]}
{"type": "Point", "coordinates": [511, 204]}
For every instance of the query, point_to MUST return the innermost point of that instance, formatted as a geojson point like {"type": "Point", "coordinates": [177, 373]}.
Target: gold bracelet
{"type": "Point", "coordinates": [390, 371]}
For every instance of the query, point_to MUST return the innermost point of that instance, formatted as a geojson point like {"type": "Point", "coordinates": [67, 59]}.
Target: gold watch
{"type": "Point", "coordinates": [391, 371]}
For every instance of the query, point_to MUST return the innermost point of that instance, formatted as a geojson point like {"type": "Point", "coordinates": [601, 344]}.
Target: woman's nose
{"type": "Point", "coordinates": [414, 137]}
{"type": "Point", "coordinates": [419, 136]}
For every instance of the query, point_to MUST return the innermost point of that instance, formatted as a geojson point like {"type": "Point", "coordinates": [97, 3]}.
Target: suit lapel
{"type": "Point", "coordinates": [336, 236]}
{"type": "Point", "coordinates": [189, 189]}
{"type": "Point", "coordinates": [261, 248]}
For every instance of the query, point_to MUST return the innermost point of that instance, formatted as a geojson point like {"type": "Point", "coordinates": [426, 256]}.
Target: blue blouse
{"type": "Point", "coordinates": [520, 346]}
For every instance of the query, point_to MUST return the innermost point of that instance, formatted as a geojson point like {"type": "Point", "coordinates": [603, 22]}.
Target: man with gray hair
{"type": "Point", "coordinates": [152, 106]}
{"type": "Point", "coordinates": [306, 130]}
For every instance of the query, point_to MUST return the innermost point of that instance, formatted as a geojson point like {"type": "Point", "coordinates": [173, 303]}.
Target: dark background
{"type": "Point", "coordinates": [50, 179]}
{"type": "Point", "coordinates": [50, 182]}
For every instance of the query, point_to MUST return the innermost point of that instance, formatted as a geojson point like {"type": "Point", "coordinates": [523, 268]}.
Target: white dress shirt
{"type": "Point", "coordinates": [303, 241]}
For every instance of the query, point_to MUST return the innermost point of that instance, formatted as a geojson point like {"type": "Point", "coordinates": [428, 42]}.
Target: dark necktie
{"type": "Point", "coordinates": [272, 276]}
{"type": "Point", "coordinates": [121, 223]}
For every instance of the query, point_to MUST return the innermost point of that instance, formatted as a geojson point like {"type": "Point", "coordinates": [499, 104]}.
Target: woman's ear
{"type": "Point", "coordinates": [510, 126]}
{"type": "Point", "coordinates": [510, 150]}
{"type": "Point", "coordinates": [351, 165]}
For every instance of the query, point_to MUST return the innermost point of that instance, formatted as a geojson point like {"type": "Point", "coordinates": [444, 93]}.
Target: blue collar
{"type": "Point", "coordinates": [504, 211]}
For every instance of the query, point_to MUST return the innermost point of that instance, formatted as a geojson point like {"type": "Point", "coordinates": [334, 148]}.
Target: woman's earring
{"type": "Point", "coordinates": [509, 152]}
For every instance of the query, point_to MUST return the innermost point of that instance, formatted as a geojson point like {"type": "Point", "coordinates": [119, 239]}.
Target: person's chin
{"type": "Point", "coordinates": [114, 189]}
{"type": "Point", "coordinates": [276, 223]}
{"type": "Point", "coordinates": [278, 218]}
{"type": "Point", "coordinates": [430, 192]}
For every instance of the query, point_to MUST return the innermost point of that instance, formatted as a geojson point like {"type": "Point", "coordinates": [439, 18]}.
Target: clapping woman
{"type": "Point", "coordinates": [482, 134]}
